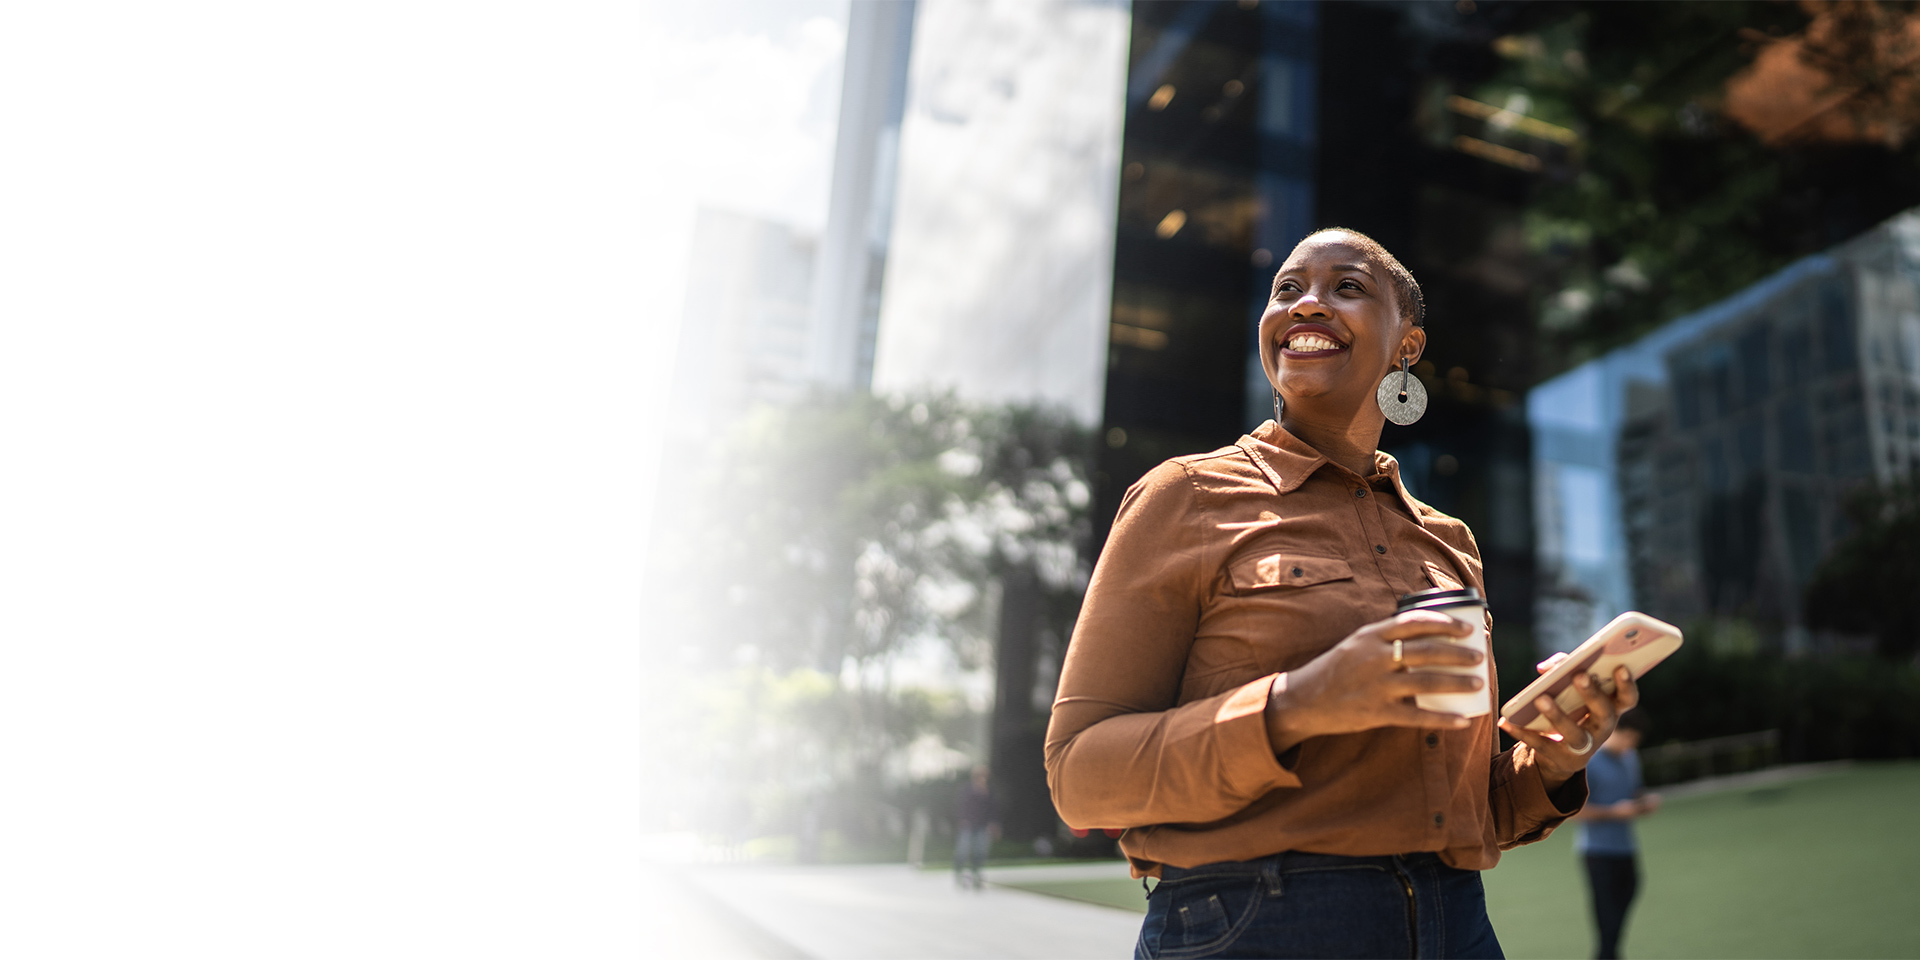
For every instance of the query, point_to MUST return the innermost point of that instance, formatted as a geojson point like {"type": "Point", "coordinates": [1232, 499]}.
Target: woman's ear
{"type": "Point", "coordinates": [1413, 344]}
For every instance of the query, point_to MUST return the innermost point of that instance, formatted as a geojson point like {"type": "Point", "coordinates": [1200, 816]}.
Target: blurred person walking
{"type": "Point", "coordinates": [1604, 836]}
{"type": "Point", "coordinates": [1238, 694]}
{"type": "Point", "coordinates": [977, 828]}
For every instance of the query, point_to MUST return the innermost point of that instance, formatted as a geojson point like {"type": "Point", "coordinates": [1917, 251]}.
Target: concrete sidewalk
{"type": "Point", "coordinates": [884, 911]}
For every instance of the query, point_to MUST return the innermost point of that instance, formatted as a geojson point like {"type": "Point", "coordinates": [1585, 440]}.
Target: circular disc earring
{"type": "Point", "coordinates": [1402, 398]}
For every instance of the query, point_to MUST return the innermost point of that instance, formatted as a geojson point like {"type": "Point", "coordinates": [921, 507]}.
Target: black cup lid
{"type": "Point", "coordinates": [1440, 597]}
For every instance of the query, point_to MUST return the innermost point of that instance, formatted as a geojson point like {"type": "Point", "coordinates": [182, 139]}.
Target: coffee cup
{"type": "Point", "coordinates": [1468, 607]}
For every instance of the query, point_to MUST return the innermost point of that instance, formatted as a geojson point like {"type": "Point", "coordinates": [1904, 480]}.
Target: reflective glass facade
{"type": "Point", "coordinates": [1700, 471]}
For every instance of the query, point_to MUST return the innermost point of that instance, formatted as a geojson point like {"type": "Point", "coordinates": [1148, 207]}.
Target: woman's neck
{"type": "Point", "coordinates": [1348, 441]}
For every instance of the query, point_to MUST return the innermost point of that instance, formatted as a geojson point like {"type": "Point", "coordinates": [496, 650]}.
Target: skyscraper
{"type": "Point", "coordinates": [744, 324]}
{"type": "Point", "coordinates": [853, 249]}
{"type": "Point", "coordinates": [1700, 471]}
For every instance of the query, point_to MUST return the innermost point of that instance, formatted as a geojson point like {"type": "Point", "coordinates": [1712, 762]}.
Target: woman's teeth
{"type": "Point", "coordinates": [1310, 343]}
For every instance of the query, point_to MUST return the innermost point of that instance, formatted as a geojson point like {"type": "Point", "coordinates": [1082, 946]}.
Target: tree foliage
{"type": "Point", "coordinates": [1673, 197]}
{"type": "Point", "coordinates": [830, 534]}
{"type": "Point", "coordinates": [1826, 708]}
{"type": "Point", "coordinates": [819, 560]}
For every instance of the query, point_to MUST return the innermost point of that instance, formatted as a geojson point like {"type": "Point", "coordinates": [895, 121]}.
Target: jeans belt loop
{"type": "Point", "coordinates": [1270, 872]}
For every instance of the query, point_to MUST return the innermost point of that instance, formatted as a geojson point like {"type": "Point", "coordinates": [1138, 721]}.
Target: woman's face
{"type": "Point", "coordinates": [1333, 328]}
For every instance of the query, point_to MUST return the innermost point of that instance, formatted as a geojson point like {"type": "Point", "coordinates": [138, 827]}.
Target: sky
{"type": "Point", "coordinates": [332, 355]}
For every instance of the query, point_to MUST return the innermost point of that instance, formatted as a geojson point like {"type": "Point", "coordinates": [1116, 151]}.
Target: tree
{"type": "Point", "coordinates": [820, 548]}
{"type": "Point", "coordinates": [1681, 179]}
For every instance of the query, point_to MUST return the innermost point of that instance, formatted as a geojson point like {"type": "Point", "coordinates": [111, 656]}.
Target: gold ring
{"type": "Point", "coordinates": [1396, 653]}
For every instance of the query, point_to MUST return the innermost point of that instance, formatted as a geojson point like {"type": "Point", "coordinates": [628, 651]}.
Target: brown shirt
{"type": "Point", "coordinates": [1224, 570]}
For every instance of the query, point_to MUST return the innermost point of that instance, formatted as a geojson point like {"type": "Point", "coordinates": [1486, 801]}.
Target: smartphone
{"type": "Point", "coordinates": [1633, 640]}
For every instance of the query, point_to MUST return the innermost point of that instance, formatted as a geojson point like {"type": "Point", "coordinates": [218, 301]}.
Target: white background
{"type": "Point", "coordinates": [331, 339]}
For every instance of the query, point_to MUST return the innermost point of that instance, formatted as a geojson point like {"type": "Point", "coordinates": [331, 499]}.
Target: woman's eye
{"type": "Point", "coordinates": [1288, 286]}
{"type": "Point", "coordinates": [1349, 285]}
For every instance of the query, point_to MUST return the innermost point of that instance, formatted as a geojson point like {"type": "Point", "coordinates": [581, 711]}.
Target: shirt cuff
{"type": "Point", "coordinates": [1241, 725]}
{"type": "Point", "coordinates": [1539, 810]}
{"type": "Point", "coordinates": [1569, 798]}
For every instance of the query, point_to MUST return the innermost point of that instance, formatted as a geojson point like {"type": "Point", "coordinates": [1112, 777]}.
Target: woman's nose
{"type": "Point", "coordinates": [1308, 306]}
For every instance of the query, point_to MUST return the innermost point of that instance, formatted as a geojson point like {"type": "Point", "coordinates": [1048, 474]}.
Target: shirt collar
{"type": "Point", "coordinates": [1387, 465]}
{"type": "Point", "coordinates": [1288, 461]}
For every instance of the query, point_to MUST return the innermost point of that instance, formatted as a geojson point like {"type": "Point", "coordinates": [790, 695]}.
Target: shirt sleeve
{"type": "Point", "coordinates": [1119, 753]}
{"type": "Point", "coordinates": [1523, 809]}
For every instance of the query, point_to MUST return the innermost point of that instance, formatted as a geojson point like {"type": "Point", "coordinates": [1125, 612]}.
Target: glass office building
{"type": "Point", "coordinates": [1700, 471]}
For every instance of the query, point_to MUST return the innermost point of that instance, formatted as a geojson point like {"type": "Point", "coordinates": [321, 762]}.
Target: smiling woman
{"type": "Point", "coordinates": [1239, 693]}
{"type": "Point", "coordinates": [1366, 294]}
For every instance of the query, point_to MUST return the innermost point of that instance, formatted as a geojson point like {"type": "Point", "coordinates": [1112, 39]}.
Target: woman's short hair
{"type": "Point", "coordinates": [1406, 290]}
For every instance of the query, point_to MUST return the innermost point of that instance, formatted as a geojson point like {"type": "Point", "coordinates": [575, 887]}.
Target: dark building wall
{"type": "Point", "coordinates": [1183, 260]}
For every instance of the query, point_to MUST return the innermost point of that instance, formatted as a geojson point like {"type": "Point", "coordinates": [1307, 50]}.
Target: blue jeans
{"type": "Point", "coordinates": [1318, 905]}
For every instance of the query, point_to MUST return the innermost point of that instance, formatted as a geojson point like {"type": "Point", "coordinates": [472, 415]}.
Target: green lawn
{"type": "Point", "coordinates": [1823, 867]}
{"type": "Point", "coordinates": [1124, 894]}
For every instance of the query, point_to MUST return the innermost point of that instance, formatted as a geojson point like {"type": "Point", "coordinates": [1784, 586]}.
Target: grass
{"type": "Point", "coordinates": [1824, 867]}
{"type": "Point", "coordinates": [1124, 894]}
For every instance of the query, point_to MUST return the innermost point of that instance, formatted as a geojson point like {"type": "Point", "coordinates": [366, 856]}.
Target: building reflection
{"type": "Point", "coordinates": [1700, 471]}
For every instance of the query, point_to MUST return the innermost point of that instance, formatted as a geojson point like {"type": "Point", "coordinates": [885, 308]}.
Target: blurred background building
{"type": "Point", "coordinates": [866, 165]}
{"type": "Point", "coordinates": [773, 311]}
{"type": "Point", "coordinates": [1701, 471]}
{"type": "Point", "coordinates": [745, 328]}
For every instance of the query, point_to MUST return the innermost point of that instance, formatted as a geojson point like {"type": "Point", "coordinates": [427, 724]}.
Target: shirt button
{"type": "Point", "coordinates": [1298, 572]}
{"type": "Point", "coordinates": [1360, 493]}
{"type": "Point", "coordinates": [1379, 548]}
{"type": "Point", "coordinates": [1439, 818]}
{"type": "Point", "coordinates": [1433, 739]}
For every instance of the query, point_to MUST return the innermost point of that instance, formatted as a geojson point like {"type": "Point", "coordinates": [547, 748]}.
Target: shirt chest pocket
{"type": "Point", "coordinates": [1281, 571]}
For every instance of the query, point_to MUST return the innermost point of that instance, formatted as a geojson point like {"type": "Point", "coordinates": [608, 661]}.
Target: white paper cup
{"type": "Point", "coordinates": [1469, 608]}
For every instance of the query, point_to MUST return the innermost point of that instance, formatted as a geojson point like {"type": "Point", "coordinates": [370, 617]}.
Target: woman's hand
{"type": "Point", "coordinates": [1566, 750]}
{"type": "Point", "coordinates": [1356, 685]}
